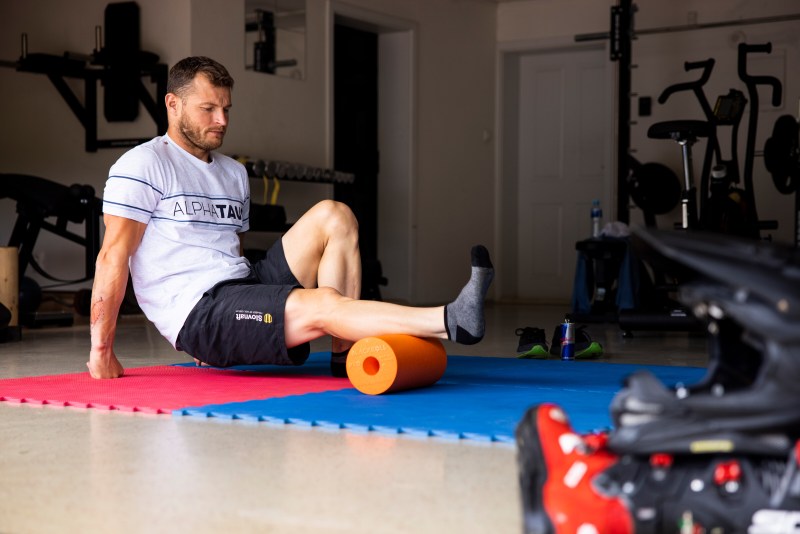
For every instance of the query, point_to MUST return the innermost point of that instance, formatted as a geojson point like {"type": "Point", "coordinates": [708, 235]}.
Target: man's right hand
{"type": "Point", "coordinates": [111, 276]}
{"type": "Point", "coordinates": [104, 366]}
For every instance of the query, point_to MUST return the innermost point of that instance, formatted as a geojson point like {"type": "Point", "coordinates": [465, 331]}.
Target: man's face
{"type": "Point", "coordinates": [203, 115]}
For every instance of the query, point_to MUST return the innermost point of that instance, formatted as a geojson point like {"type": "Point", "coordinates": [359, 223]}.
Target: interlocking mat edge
{"type": "Point", "coordinates": [478, 398]}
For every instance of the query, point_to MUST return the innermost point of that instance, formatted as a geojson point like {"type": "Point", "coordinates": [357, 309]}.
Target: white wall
{"type": "Point", "coordinates": [660, 58]}
{"type": "Point", "coordinates": [274, 117]}
{"type": "Point", "coordinates": [395, 212]}
{"type": "Point", "coordinates": [548, 19]}
{"type": "Point", "coordinates": [453, 204]}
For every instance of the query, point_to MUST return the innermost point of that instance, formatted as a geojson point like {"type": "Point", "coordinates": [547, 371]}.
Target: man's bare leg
{"type": "Point", "coordinates": [322, 250]}
{"type": "Point", "coordinates": [312, 313]}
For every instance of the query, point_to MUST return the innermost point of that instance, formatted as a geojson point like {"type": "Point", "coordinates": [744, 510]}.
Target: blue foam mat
{"type": "Point", "coordinates": [478, 398]}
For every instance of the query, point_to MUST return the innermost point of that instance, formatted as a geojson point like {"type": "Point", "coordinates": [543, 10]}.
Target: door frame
{"type": "Point", "coordinates": [506, 288]}
{"type": "Point", "coordinates": [403, 146]}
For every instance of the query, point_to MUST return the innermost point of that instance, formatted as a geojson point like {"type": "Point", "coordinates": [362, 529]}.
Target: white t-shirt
{"type": "Point", "coordinates": [193, 211]}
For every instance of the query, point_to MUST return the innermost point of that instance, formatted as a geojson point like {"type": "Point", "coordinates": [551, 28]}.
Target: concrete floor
{"type": "Point", "coordinates": [70, 470]}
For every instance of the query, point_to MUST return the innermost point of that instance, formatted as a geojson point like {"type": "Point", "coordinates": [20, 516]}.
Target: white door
{"type": "Point", "coordinates": [561, 162]}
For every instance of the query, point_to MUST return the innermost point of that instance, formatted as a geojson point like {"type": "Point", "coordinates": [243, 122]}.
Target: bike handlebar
{"type": "Point", "coordinates": [707, 65]}
{"type": "Point", "coordinates": [775, 83]}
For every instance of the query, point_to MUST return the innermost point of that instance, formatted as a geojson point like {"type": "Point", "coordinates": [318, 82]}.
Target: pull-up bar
{"type": "Point", "coordinates": [692, 27]}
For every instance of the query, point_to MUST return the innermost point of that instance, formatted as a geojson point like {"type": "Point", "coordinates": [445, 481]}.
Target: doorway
{"type": "Point", "coordinates": [383, 46]}
{"type": "Point", "coordinates": [556, 113]}
{"type": "Point", "coordinates": [355, 140]}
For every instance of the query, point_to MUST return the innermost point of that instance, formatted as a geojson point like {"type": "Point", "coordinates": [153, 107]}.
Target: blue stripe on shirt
{"type": "Point", "coordinates": [136, 179]}
{"type": "Point", "coordinates": [196, 222]}
{"type": "Point", "coordinates": [127, 206]}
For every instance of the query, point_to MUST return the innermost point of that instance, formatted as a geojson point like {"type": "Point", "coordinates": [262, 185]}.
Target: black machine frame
{"type": "Point", "coordinates": [621, 35]}
{"type": "Point", "coordinates": [121, 67]}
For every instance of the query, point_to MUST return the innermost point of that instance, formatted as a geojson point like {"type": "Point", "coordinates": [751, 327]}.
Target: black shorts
{"type": "Point", "coordinates": [241, 321]}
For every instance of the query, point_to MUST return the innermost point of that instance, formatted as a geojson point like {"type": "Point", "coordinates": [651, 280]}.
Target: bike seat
{"type": "Point", "coordinates": [688, 130]}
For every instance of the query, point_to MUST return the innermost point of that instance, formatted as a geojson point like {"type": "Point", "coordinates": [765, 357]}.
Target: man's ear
{"type": "Point", "coordinates": [172, 102]}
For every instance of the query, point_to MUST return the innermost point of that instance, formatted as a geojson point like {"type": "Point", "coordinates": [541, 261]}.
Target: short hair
{"type": "Point", "coordinates": [182, 74]}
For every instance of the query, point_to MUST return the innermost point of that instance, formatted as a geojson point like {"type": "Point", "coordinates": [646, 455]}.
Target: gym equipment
{"type": "Point", "coordinates": [30, 296]}
{"type": "Point", "coordinates": [391, 363]}
{"type": "Point", "coordinates": [262, 22]}
{"type": "Point", "coordinates": [478, 399]}
{"type": "Point", "coordinates": [655, 188]}
{"type": "Point", "coordinates": [120, 66]}
{"type": "Point", "coordinates": [621, 50]}
{"type": "Point", "coordinates": [298, 172]}
{"type": "Point", "coordinates": [693, 131]}
{"type": "Point", "coordinates": [782, 159]}
{"type": "Point", "coordinates": [722, 207]}
{"type": "Point", "coordinates": [752, 83]}
{"type": "Point", "coordinates": [164, 389]}
{"type": "Point", "coordinates": [719, 453]}
{"type": "Point", "coordinates": [611, 282]}
{"type": "Point", "coordinates": [601, 284]}
{"type": "Point", "coordinates": [37, 200]}
{"type": "Point", "coordinates": [621, 36]}
{"type": "Point", "coordinates": [685, 133]}
{"type": "Point", "coordinates": [268, 216]}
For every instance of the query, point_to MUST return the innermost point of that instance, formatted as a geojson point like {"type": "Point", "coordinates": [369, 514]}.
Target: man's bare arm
{"type": "Point", "coordinates": [122, 237]}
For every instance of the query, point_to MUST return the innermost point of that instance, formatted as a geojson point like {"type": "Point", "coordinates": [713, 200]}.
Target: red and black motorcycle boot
{"type": "Point", "coordinates": [557, 468]}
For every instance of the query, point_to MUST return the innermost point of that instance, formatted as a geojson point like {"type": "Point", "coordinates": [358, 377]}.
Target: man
{"type": "Point", "coordinates": [174, 213]}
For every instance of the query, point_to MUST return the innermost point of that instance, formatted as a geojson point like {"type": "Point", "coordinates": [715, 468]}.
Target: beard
{"type": "Point", "coordinates": [196, 136]}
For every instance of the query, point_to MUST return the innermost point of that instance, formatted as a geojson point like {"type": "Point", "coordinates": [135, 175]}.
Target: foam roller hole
{"type": "Point", "coordinates": [371, 365]}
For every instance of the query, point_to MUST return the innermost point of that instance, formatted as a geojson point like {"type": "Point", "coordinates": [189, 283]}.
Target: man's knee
{"type": "Point", "coordinates": [328, 299]}
{"type": "Point", "coordinates": [315, 306]}
{"type": "Point", "coordinates": [337, 217]}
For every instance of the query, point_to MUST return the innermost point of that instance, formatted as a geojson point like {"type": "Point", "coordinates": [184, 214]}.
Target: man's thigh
{"type": "Point", "coordinates": [273, 269]}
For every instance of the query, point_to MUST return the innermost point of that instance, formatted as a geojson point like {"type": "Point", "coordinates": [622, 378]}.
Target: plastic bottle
{"type": "Point", "coordinates": [597, 217]}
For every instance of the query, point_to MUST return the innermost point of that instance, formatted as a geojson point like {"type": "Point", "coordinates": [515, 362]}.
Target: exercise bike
{"type": "Point", "coordinates": [719, 205]}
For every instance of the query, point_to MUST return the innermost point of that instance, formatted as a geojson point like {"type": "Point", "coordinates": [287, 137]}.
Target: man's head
{"type": "Point", "coordinates": [182, 74]}
{"type": "Point", "coordinates": [198, 99]}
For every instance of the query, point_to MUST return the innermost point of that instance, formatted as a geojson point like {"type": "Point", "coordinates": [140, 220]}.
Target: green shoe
{"type": "Point", "coordinates": [532, 343]}
{"type": "Point", "coordinates": [585, 348]}
{"type": "Point", "coordinates": [592, 351]}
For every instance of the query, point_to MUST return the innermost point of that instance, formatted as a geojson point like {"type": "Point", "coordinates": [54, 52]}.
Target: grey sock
{"type": "Point", "coordinates": [463, 318]}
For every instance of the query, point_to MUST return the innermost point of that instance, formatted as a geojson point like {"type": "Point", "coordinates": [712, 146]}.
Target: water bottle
{"type": "Point", "coordinates": [597, 216]}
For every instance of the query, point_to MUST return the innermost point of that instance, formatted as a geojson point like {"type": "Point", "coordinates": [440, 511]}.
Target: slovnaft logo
{"type": "Point", "coordinates": [244, 315]}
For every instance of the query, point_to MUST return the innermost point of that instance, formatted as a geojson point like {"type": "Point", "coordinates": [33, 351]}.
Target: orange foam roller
{"type": "Point", "coordinates": [395, 362]}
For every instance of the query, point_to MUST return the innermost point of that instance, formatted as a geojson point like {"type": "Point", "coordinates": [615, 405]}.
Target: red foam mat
{"type": "Point", "coordinates": [162, 389]}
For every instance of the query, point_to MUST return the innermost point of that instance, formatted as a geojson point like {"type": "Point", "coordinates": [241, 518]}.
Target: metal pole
{"type": "Point", "coordinates": [622, 29]}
